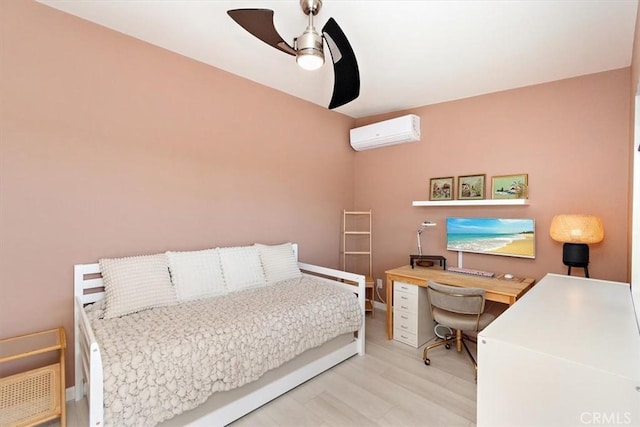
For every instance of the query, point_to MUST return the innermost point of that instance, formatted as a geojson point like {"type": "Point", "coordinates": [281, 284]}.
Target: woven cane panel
{"type": "Point", "coordinates": [29, 396]}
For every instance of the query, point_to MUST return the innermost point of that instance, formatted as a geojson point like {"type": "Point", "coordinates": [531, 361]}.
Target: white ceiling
{"type": "Point", "coordinates": [410, 53]}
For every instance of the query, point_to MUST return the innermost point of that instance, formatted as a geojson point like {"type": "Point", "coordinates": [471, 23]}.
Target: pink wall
{"type": "Point", "coordinates": [570, 136]}
{"type": "Point", "coordinates": [113, 147]}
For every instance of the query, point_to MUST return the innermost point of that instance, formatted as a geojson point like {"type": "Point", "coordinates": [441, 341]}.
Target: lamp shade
{"type": "Point", "coordinates": [576, 228]}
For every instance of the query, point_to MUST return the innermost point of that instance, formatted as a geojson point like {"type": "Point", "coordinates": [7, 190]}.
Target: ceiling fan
{"type": "Point", "coordinates": [308, 47]}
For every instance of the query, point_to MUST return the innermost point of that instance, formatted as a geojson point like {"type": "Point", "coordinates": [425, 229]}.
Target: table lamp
{"type": "Point", "coordinates": [425, 260]}
{"type": "Point", "coordinates": [576, 231]}
{"type": "Point", "coordinates": [424, 225]}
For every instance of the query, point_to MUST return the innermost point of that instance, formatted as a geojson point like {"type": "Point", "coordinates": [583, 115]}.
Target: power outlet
{"type": "Point", "coordinates": [379, 283]}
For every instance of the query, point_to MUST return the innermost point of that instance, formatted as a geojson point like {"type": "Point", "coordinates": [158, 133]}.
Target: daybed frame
{"type": "Point", "coordinates": [222, 407]}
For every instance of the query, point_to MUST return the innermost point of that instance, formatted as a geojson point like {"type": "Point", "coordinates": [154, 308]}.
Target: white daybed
{"type": "Point", "coordinates": [222, 407]}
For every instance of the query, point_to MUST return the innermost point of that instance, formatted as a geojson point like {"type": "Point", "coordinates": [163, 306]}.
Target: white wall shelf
{"type": "Point", "coordinates": [484, 202]}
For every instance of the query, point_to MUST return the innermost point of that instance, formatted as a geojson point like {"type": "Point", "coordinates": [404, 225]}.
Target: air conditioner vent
{"type": "Point", "coordinates": [389, 132]}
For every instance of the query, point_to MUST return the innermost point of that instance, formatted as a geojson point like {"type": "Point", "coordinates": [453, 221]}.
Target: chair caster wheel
{"type": "Point", "coordinates": [447, 346]}
{"type": "Point", "coordinates": [427, 362]}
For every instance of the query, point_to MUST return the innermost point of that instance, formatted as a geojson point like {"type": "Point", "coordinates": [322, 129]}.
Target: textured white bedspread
{"type": "Point", "coordinates": [161, 362]}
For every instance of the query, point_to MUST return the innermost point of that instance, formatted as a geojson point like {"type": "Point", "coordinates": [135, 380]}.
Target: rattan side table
{"type": "Point", "coordinates": [36, 395]}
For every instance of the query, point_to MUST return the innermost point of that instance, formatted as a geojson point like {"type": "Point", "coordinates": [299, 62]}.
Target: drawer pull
{"type": "Point", "coordinates": [403, 297]}
{"type": "Point", "coordinates": [404, 317]}
{"type": "Point", "coordinates": [403, 327]}
{"type": "Point", "coordinates": [402, 336]}
{"type": "Point", "coordinates": [404, 307]}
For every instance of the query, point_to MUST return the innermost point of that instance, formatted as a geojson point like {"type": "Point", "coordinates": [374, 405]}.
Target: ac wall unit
{"type": "Point", "coordinates": [389, 132]}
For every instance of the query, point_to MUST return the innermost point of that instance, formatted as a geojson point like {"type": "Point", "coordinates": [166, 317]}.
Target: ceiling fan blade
{"type": "Point", "coordinates": [346, 82]}
{"type": "Point", "coordinates": [259, 22]}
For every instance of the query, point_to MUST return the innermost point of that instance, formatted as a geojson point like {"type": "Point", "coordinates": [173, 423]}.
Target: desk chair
{"type": "Point", "coordinates": [460, 309]}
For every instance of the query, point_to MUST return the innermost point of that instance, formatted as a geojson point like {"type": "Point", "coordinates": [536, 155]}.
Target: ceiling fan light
{"type": "Point", "coordinates": [310, 54]}
{"type": "Point", "coordinates": [310, 59]}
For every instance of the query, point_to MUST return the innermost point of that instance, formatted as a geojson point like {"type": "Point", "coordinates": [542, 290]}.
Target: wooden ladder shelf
{"type": "Point", "coordinates": [356, 242]}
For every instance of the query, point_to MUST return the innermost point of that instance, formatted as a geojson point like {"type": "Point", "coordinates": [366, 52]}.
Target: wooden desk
{"type": "Point", "coordinates": [506, 291]}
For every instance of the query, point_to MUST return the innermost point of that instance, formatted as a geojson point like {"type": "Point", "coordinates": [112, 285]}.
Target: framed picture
{"type": "Point", "coordinates": [441, 188]}
{"type": "Point", "coordinates": [509, 186]}
{"type": "Point", "coordinates": [471, 187]}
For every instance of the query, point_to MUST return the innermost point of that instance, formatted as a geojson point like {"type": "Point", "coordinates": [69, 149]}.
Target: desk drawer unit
{"type": "Point", "coordinates": [406, 302]}
{"type": "Point", "coordinates": [412, 323]}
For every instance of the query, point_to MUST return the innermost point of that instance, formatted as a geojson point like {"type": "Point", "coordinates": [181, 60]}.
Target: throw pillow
{"type": "Point", "coordinates": [241, 267]}
{"type": "Point", "coordinates": [279, 262]}
{"type": "Point", "coordinates": [136, 283]}
{"type": "Point", "coordinates": [196, 274]}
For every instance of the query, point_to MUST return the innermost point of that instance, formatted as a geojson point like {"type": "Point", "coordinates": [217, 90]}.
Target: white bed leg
{"type": "Point", "coordinates": [362, 296]}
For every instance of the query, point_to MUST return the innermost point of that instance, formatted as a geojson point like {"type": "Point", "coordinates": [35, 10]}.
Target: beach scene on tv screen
{"type": "Point", "coordinates": [494, 236]}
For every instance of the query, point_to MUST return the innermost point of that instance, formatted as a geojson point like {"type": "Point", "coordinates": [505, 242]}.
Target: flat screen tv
{"type": "Point", "coordinates": [493, 236]}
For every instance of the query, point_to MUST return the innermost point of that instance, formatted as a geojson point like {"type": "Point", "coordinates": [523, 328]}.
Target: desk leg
{"type": "Point", "coordinates": [389, 308]}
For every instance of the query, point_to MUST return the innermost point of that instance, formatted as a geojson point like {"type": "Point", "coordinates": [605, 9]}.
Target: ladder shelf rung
{"type": "Point", "coordinates": [356, 253]}
{"type": "Point", "coordinates": [358, 232]}
{"type": "Point", "coordinates": [357, 213]}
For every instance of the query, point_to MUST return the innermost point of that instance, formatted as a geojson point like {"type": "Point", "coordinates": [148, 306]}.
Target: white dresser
{"type": "Point", "coordinates": [412, 322]}
{"type": "Point", "coordinates": [566, 354]}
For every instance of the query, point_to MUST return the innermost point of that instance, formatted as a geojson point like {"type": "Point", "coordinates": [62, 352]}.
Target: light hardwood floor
{"type": "Point", "coordinates": [389, 386]}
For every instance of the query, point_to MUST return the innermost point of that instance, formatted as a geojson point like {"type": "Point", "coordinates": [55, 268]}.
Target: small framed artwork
{"type": "Point", "coordinates": [509, 186]}
{"type": "Point", "coordinates": [471, 187]}
{"type": "Point", "coordinates": [441, 188]}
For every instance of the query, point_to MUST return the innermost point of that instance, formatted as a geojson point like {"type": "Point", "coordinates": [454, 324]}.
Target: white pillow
{"type": "Point", "coordinates": [136, 283]}
{"type": "Point", "coordinates": [196, 274]}
{"type": "Point", "coordinates": [279, 262]}
{"type": "Point", "coordinates": [241, 267]}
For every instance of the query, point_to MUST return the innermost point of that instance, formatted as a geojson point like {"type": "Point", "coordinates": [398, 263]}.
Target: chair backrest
{"type": "Point", "coordinates": [456, 299]}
